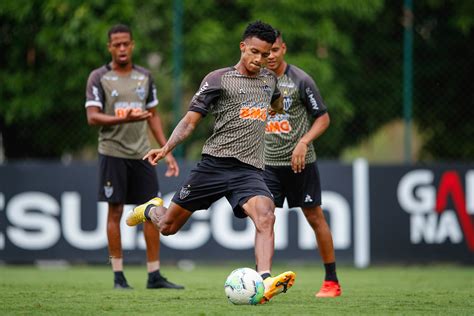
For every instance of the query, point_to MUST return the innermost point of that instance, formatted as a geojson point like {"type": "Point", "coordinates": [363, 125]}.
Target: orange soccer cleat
{"type": "Point", "coordinates": [329, 289]}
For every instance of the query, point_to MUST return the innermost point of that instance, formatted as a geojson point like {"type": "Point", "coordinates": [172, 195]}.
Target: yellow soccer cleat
{"type": "Point", "coordinates": [276, 285]}
{"type": "Point", "coordinates": [137, 215]}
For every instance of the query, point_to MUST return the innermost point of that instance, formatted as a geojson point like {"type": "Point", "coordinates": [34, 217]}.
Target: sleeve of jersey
{"type": "Point", "coordinates": [152, 99]}
{"type": "Point", "coordinates": [208, 93]}
{"type": "Point", "coordinates": [276, 92]}
{"type": "Point", "coordinates": [312, 98]}
{"type": "Point", "coordinates": [94, 91]}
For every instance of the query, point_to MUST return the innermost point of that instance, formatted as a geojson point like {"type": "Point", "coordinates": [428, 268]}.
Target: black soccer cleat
{"type": "Point", "coordinates": [122, 285]}
{"type": "Point", "coordinates": [159, 282]}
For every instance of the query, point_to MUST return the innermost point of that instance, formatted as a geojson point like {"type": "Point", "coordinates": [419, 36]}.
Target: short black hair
{"type": "Point", "coordinates": [278, 33]}
{"type": "Point", "coordinates": [260, 30]}
{"type": "Point", "coordinates": [120, 28]}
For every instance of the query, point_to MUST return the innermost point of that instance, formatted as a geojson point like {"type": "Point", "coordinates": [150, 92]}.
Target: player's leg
{"type": "Point", "coordinates": [318, 223]}
{"type": "Point", "coordinates": [315, 217]}
{"type": "Point", "coordinates": [251, 197]}
{"type": "Point", "coordinates": [309, 199]}
{"type": "Point", "coordinates": [261, 210]}
{"type": "Point", "coordinates": [112, 184]}
{"type": "Point", "coordinates": [115, 245]}
{"type": "Point", "coordinates": [143, 185]}
{"type": "Point", "coordinates": [155, 279]}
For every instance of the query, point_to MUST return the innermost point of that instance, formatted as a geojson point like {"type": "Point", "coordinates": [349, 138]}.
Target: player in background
{"type": "Point", "coordinates": [291, 170]}
{"type": "Point", "coordinates": [232, 163]}
{"type": "Point", "coordinates": [121, 99]}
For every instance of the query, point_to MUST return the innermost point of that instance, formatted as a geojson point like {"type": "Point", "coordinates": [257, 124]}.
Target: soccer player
{"type": "Point", "coordinates": [290, 159]}
{"type": "Point", "coordinates": [121, 99]}
{"type": "Point", "coordinates": [232, 163]}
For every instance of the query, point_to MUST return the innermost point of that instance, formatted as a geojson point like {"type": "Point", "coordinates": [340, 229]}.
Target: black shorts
{"type": "Point", "coordinates": [214, 178]}
{"type": "Point", "coordinates": [126, 181]}
{"type": "Point", "coordinates": [300, 189]}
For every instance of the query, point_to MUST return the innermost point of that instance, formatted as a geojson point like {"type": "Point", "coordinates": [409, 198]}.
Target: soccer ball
{"type": "Point", "coordinates": [244, 286]}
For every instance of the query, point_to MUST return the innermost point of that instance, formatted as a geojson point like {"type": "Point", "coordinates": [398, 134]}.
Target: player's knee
{"type": "Point", "coordinates": [265, 220]}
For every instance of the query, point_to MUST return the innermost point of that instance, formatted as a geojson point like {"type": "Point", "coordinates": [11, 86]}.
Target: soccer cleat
{"type": "Point", "coordinates": [137, 215]}
{"type": "Point", "coordinates": [122, 285]}
{"type": "Point", "coordinates": [276, 285]}
{"type": "Point", "coordinates": [162, 283]}
{"type": "Point", "coordinates": [125, 286]}
{"type": "Point", "coordinates": [329, 289]}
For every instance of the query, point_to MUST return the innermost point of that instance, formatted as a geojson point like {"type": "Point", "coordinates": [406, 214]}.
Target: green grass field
{"type": "Point", "coordinates": [87, 290]}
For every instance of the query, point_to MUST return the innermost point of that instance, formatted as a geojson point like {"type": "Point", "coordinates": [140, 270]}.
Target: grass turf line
{"type": "Point", "coordinates": [80, 290]}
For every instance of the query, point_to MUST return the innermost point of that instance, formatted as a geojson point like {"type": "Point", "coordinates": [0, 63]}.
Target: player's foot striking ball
{"type": "Point", "coordinates": [276, 285]}
{"type": "Point", "coordinates": [139, 214]}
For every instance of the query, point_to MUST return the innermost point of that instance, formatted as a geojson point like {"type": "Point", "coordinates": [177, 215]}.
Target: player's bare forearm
{"type": "Point", "coordinates": [180, 133]}
{"type": "Point", "coordinates": [319, 126]}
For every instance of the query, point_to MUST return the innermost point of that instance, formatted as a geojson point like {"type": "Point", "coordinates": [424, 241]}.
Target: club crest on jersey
{"type": "Point", "coordinates": [267, 89]}
{"type": "Point", "coordinates": [287, 101]}
{"type": "Point", "coordinates": [108, 189]}
{"type": "Point", "coordinates": [185, 191]}
{"type": "Point", "coordinates": [140, 92]}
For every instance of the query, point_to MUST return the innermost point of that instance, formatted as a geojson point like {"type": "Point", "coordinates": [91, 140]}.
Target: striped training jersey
{"type": "Point", "coordinates": [239, 104]}
{"type": "Point", "coordinates": [302, 104]}
{"type": "Point", "coordinates": [114, 94]}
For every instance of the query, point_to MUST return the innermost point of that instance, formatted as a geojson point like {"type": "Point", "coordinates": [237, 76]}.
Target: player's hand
{"type": "Point", "coordinates": [134, 115]}
{"type": "Point", "coordinates": [173, 168]}
{"type": "Point", "coordinates": [155, 155]}
{"type": "Point", "coordinates": [298, 157]}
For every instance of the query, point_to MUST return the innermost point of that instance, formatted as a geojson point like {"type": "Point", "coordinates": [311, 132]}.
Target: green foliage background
{"type": "Point", "coordinates": [353, 49]}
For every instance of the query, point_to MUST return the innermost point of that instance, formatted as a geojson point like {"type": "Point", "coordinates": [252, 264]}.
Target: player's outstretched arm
{"type": "Point", "coordinates": [184, 128]}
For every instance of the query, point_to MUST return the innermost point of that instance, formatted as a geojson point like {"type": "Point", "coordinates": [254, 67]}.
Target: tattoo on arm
{"type": "Point", "coordinates": [180, 133]}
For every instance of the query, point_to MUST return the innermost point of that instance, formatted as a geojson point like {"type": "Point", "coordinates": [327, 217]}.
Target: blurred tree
{"type": "Point", "coordinates": [444, 64]}
{"type": "Point", "coordinates": [353, 49]}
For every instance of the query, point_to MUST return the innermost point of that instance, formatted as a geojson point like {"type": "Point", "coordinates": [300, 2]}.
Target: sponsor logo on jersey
{"type": "Point", "coordinates": [114, 93]}
{"type": "Point", "coordinates": [312, 99]}
{"type": "Point", "coordinates": [308, 199]}
{"type": "Point", "coordinates": [137, 77]}
{"type": "Point", "coordinates": [289, 85]}
{"type": "Point", "coordinates": [278, 127]}
{"type": "Point", "coordinates": [141, 93]}
{"type": "Point", "coordinates": [203, 88]}
{"type": "Point", "coordinates": [121, 108]}
{"type": "Point", "coordinates": [95, 92]}
{"type": "Point", "coordinates": [111, 78]}
{"type": "Point", "coordinates": [184, 193]}
{"type": "Point", "coordinates": [253, 113]}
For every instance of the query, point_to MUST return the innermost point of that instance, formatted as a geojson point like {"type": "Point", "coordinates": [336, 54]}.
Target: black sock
{"type": "Point", "coordinates": [147, 211]}
{"type": "Point", "coordinates": [154, 274]}
{"type": "Point", "coordinates": [119, 277]}
{"type": "Point", "coordinates": [330, 272]}
{"type": "Point", "coordinates": [266, 275]}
